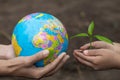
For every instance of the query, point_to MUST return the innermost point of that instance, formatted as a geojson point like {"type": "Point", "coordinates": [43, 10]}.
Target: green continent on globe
{"type": "Point", "coordinates": [51, 42]}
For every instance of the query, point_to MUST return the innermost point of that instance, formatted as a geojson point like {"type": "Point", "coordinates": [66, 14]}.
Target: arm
{"type": "Point", "coordinates": [23, 66]}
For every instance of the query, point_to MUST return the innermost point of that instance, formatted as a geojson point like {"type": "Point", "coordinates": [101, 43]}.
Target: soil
{"type": "Point", "coordinates": [76, 16]}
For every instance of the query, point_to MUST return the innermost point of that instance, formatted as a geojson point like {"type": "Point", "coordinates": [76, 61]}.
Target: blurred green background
{"type": "Point", "coordinates": [76, 16]}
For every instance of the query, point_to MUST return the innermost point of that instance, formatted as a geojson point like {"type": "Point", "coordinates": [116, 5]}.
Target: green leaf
{"type": "Point", "coordinates": [102, 38]}
{"type": "Point", "coordinates": [91, 28]}
{"type": "Point", "coordinates": [80, 35]}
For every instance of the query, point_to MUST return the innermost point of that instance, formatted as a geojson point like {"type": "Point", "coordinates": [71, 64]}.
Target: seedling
{"type": "Point", "coordinates": [91, 36]}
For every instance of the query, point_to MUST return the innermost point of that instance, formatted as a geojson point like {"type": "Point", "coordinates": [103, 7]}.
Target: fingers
{"type": "Point", "coordinates": [91, 52]}
{"type": "Point", "coordinates": [83, 61]}
{"type": "Point", "coordinates": [37, 57]}
{"type": "Point", "coordinates": [38, 72]}
{"type": "Point", "coordinates": [27, 61]}
{"type": "Point", "coordinates": [52, 65]}
{"type": "Point", "coordinates": [10, 52]}
{"type": "Point", "coordinates": [96, 44]}
{"type": "Point", "coordinates": [90, 58]}
{"type": "Point", "coordinates": [6, 52]}
{"type": "Point", "coordinates": [81, 55]}
{"type": "Point", "coordinates": [59, 65]}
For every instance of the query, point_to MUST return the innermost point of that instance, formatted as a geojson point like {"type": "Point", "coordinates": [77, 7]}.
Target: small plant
{"type": "Point", "coordinates": [91, 36]}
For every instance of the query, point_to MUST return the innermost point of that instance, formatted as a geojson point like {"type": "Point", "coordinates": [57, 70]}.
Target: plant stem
{"type": "Point", "coordinates": [91, 42]}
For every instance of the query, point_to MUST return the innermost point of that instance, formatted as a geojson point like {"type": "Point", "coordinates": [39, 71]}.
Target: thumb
{"type": "Point", "coordinates": [95, 44]}
{"type": "Point", "coordinates": [38, 56]}
{"type": "Point", "coordinates": [91, 52]}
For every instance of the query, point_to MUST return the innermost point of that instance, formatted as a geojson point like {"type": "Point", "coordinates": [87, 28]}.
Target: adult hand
{"type": "Point", "coordinates": [24, 66]}
{"type": "Point", "coordinates": [6, 52]}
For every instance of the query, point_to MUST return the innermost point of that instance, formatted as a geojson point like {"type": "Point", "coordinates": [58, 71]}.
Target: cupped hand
{"type": "Point", "coordinates": [98, 58]}
{"type": "Point", "coordinates": [104, 56]}
{"type": "Point", "coordinates": [24, 66]}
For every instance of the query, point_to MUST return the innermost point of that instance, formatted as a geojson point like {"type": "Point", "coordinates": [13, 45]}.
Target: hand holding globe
{"type": "Point", "coordinates": [23, 65]}
{"type": "Point", "coordinates": [37, 39]}
{"type": "Point", "coordinates": [37, 32]}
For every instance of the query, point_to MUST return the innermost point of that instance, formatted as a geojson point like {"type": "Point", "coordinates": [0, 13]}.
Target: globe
{"type": "Point", "coordinates": [39, 31]}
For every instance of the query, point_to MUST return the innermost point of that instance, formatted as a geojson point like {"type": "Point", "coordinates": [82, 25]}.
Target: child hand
{"type": "Point", "coordinates": [105, 57]}
{"type": "Point", "coordinates": [102, 45]}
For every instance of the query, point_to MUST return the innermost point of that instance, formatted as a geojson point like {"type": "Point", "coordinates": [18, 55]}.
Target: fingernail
{"type": "Point", "coordinates": [68, 56]}
{"type": "Point", "coordinates": [85, 52]}
{"type": "Point", "coordinates": [46, 52]}
{"type": "Point", "coordinates": [63, 53]}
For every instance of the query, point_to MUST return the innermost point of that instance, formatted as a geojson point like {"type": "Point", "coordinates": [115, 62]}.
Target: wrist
{"type": "Point", "coordinates": [116, 47]}
{"type": "Point", "coordinates": [117, 61]}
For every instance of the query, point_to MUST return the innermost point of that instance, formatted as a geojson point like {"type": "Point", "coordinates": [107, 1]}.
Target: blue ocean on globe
{"type": "Point", "coordinates": [39, 31]}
